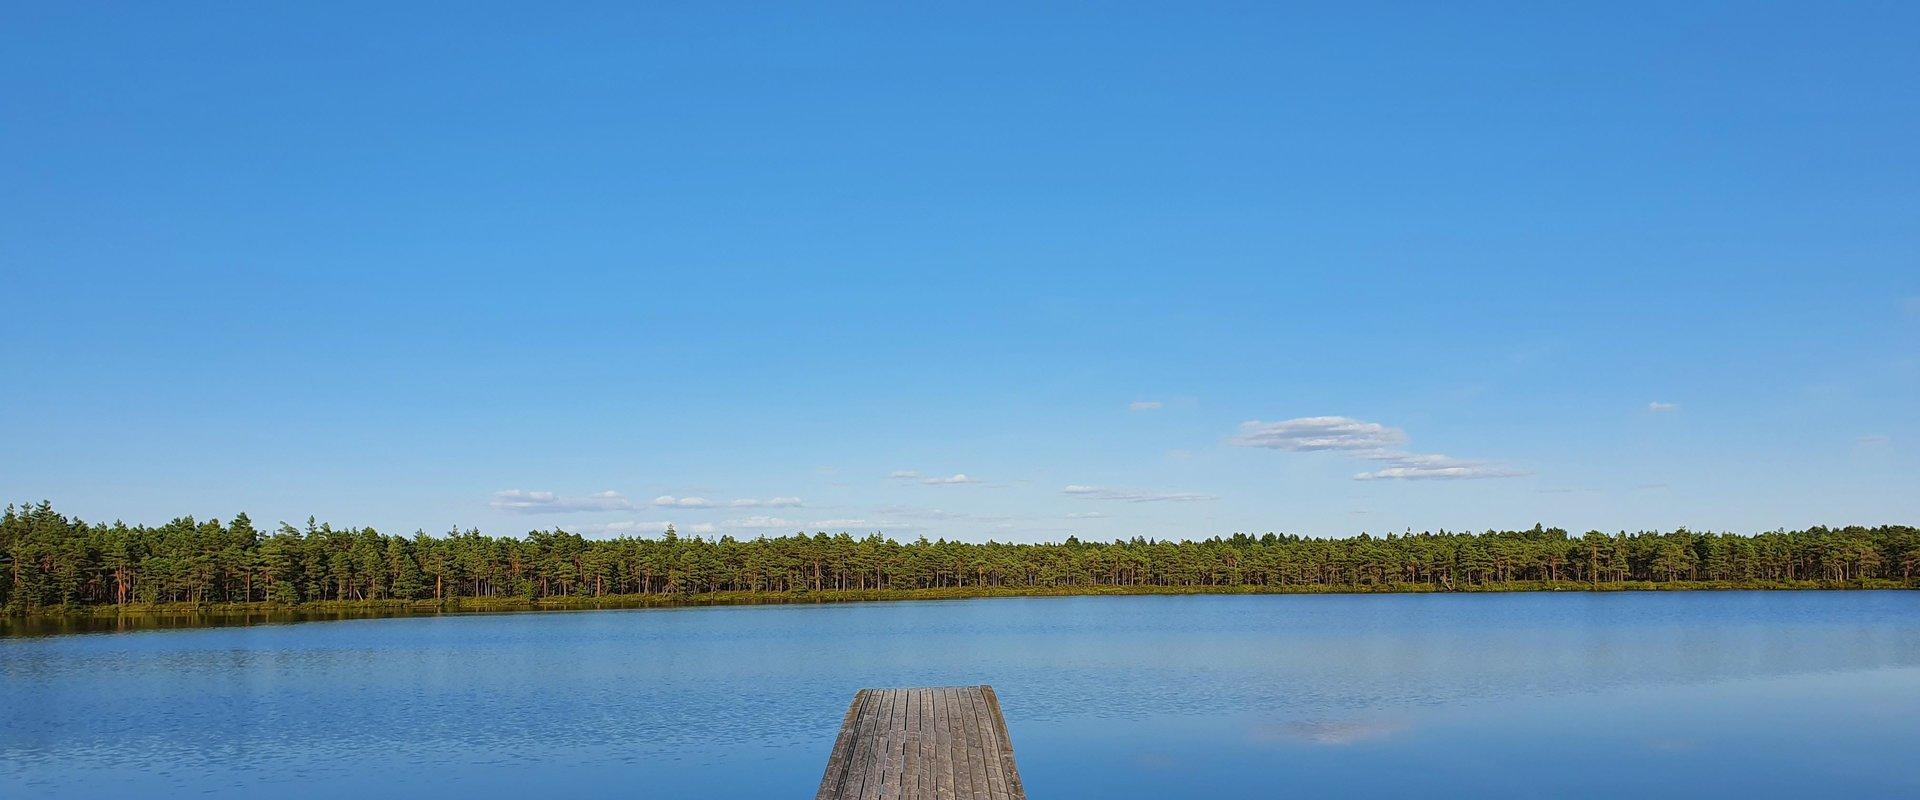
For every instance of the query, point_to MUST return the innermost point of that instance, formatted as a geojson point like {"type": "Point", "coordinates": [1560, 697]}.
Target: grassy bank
{"type": "Point", "coordinates": [334, 609]}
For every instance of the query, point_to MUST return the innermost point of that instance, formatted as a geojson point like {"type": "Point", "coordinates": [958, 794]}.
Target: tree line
{"type": "Point", "coordinates": [51, 560]}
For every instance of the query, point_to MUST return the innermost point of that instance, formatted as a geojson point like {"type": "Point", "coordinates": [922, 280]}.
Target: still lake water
{"type": "Point", "coordinates": [1720, 694]}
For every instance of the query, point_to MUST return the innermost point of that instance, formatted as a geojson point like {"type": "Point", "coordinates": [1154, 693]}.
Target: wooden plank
{"type": "Point", "coordinates": [869, 762]}
{"type": "Point", "coordinates": [998, 724]}
{"type": "Point", "coordinates": [840, 762]}
{"type": "Point", "coordinates": [884, 766]}
{"type": "Point", "coordinates": [926, 781]}
{"type": "Point", "coordinates": [989, 745]}
{"type": "Point", "coordinates": [865, 760]}
{"type": "Point", "coordinates": [909, 746]}
{"type": "Point", "coordinates": [946, 743]}
{"type": "Point", "coordinates": [975, 747]}
{"type": "Point", "coordinates": [943, 772]}
{"type": "Point", "coordinates": [910, 762]}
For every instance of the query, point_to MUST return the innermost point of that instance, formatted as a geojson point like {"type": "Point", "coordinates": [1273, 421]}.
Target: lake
{"type": "Point", "coordinates": [1750, 694]}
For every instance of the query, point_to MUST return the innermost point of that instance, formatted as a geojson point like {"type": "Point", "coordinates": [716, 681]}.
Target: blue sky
{"type": "Point", "coordinates": [1168, 271]}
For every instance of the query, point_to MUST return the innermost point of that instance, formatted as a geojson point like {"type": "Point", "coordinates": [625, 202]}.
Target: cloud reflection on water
{"type": "Point", "coordinates": [1329, 732]}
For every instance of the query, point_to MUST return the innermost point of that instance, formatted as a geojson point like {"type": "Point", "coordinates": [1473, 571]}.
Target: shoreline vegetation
{"type": "Point", "coordinates": [145, 616]}
{"type": "Point", "coordinates": [58, 572]}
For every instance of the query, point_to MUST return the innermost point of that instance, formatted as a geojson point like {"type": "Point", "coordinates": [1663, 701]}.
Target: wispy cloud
{"type": "Point", "coordinates": [955, 479]}
{"type": "Point", "coordinates": [522, 502]}
{"type": "Point", "coordinates": [1146, 405]}
{"type": "Point", "coordinates": [669, 501]}
{"type": "Point", "coordinates": [633, 527]}
{"type": "Point", "coordinates": [610, 530]}
{"type": "Point", "coordinates": [1087, 515]}
{"type": "Point", "coordinates": [1657, 407]}
{"type": "Point", "coordinates": [760, 522]}
{"type": "Point", "coordinates": [912, 512]}
{"type": "Point", "coordinates": [1134, 495]}
{"type": "Point", "coordinates": [862, 523]}
{"type": "Point", "coordinates": [1367, 440]}
{"type": "Point", "coordinates": [1431, 466]}
{"type": "Point", "coordinates": [1872, 440]}
{"type": "Point", "coordinates": [771, 502]}
{"type": "Point", "coordinates": [1307, 434]}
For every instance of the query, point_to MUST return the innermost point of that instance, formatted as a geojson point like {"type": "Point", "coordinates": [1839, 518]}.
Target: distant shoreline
{"type": "Point", "coordinates": [149, 616]}
{"type": "Point", "coordinates": [64, 574]}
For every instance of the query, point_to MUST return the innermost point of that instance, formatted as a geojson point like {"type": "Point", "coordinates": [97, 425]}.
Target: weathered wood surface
{"type": "Point", "coordinates": [947, 743]}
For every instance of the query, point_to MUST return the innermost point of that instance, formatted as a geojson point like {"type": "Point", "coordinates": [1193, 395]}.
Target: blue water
{"type": "Point", "coordinates": [1753, 694]}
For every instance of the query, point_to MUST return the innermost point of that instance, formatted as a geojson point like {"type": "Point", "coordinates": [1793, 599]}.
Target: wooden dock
{"type": "Point", "coordinates": [947, 743]}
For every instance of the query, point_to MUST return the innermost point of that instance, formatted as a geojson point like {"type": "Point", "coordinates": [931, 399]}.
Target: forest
{"type": "Point", "coordinates": [49, 562]}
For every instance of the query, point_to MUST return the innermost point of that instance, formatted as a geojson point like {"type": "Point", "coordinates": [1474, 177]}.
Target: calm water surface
{"type": "Point", "coordinates": [1751, 694]}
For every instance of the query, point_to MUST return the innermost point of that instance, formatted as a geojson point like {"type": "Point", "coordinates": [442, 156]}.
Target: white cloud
{"type": "Point", "coordinates": [931, 480]}
{"type": "Point", "coordinates": [1087, 515]}
{"type": "Point", "coordinates": [1306, 434]}
{"type": "Point", "coordinates": [525, 502]}
{"type": "Point", "coordinates": [921, 513]}
{"type": "Point", "coordinates": [1872, 440]}
{"type": "Point", "coordinates": [772, 502]}
{"type": "Point", "coordinates": [610, 530]}
{"type": "Point", "coordinates": [1431, 466]}
{"type": "Point", "coordinates": [1146, 405]}
{"type": "Point", "coordinates": [520, 502]}
{"type": "Point", "coordinates": [864, 524]}
{"type": "Point", "coordinates": [669, 501]}
{"type": "Point", "coordinates": [951, 480]}
{"type": "Point", "coordinates": [890, 517]}
{"type": "Point", "coordinates": [761, 522]}
{"type": "Point", "coordinates": [1135, 496]}
{"type": "Point", "coordinates": [1368, 440]}
{"type": "Point", "coordinates": [1657, 407]}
